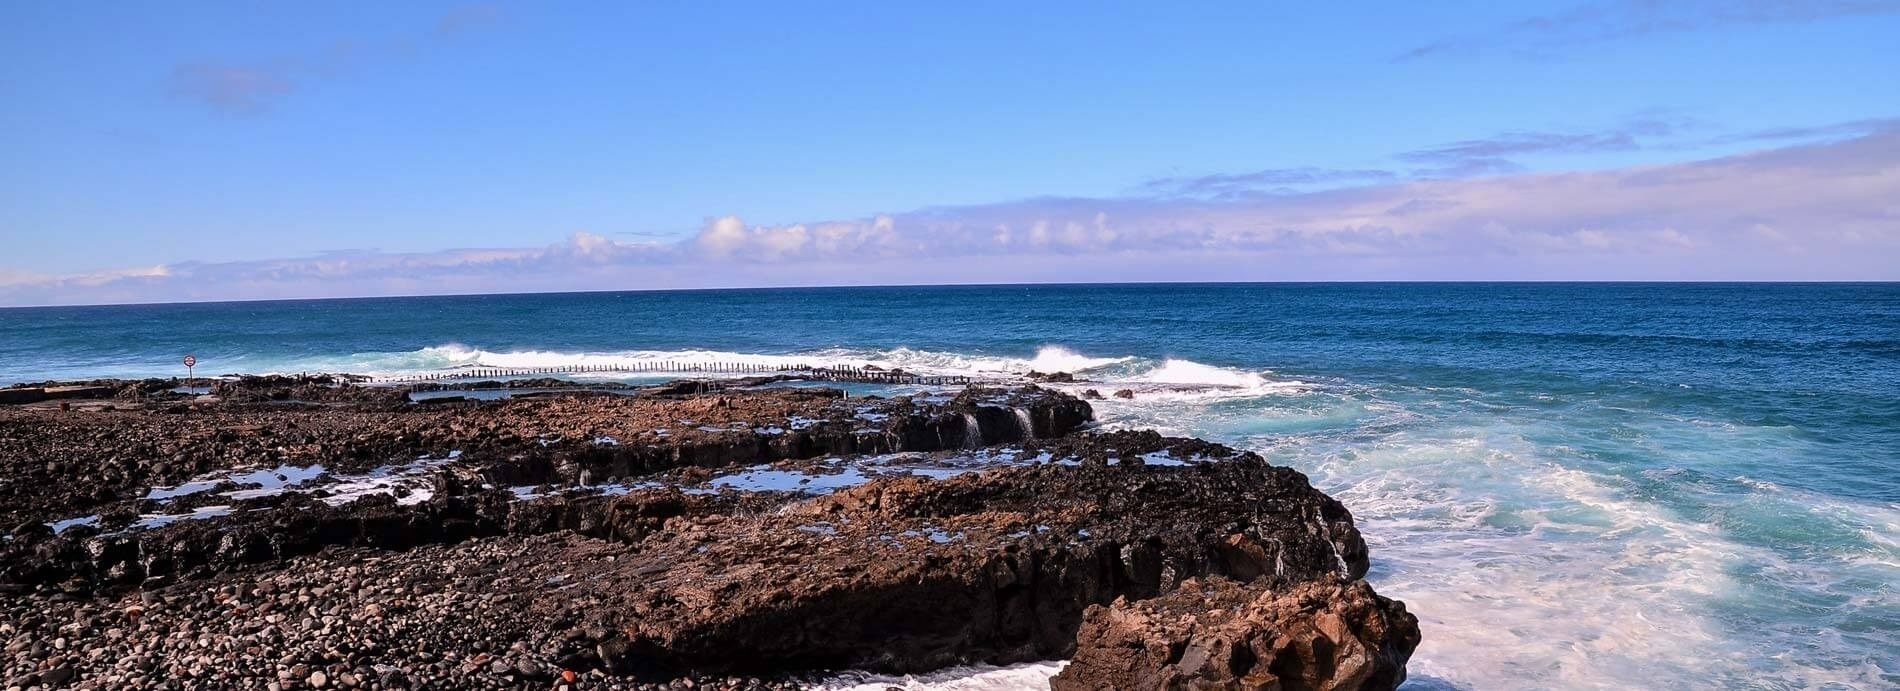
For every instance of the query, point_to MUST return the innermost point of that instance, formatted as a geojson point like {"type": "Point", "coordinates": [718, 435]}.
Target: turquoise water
{"type": "Point", "coordinates": [1595, 485]}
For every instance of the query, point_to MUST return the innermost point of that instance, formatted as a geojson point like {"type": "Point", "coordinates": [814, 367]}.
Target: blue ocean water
{"type": "Point", "coordinates": [1573, 485]}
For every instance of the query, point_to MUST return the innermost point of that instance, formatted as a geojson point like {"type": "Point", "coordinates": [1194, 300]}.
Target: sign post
{"type": "Point", "coordinates": [191, 378]}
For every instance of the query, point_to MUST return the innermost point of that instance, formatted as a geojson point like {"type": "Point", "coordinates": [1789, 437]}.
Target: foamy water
{"type": "Point", "coordinates": [1529, 562]}
{"type": "Point", "coordinates": [453, 356]}
{"type": "Point", "coordinates": [1603, 486]}
{"type": "Point", "coordinates": [1529, 568]}
{"type": "Point", "coordinates": [1034, 675]}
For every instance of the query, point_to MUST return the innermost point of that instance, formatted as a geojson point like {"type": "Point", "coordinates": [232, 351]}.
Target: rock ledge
{"type": "Point", "coordinates": [1216, 633]}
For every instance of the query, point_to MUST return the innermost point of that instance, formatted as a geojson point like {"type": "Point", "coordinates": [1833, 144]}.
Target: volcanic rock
{"type": "Point", "coordinates": [55, 465]}
{"type": "Point", "coordinates": [1214, 633]}
{"type": "Point", "coordinates": [613, 539]}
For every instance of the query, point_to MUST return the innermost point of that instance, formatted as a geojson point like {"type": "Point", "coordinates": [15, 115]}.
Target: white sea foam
{"type": "Point", "coordinates": [1533, 564]}
{"type": "Point", "coordinates": [1170, 379]}
{"type": "Point", "coordinates": [1032, 675]}
{"type": "Point", "coordinates": [1051, 358]}
{"type": "Point", "coordinates": [1177, 371]}
{"type": "Point", "coordinates": [1060, 359]}
{"type": "Point", "coordinates": [456, 356]}
{"type": "Point", "coordinates": [1526, 572]}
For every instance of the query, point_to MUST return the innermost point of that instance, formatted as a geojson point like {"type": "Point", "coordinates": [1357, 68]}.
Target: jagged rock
{"type": "Point", "coordinates": [683, 387]}
{"type": "Point", "coordinates": [520, 441]}
{"type": "Point", "coordinates": [1214, 633]}
{"type": "Point", "coordinates": [298, 525]}
{"type": "Point", "coordinates": [911, 574]}
{"type": "Point", "coordinates": [987, 539]}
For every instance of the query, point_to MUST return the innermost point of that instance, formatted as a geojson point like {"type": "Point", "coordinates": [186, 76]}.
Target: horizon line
{"type": "Point", "coordinates": [1027, 284]}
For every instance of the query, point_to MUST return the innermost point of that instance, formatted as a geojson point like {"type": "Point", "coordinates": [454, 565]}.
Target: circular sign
{"type": "Point", "coordinates": [191, 361]}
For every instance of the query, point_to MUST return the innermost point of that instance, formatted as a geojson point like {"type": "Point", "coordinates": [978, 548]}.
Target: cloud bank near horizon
{"type": "Point", "coordinates": [1822, 211]}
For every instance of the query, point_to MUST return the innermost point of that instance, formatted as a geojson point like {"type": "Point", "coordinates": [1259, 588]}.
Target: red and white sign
{"type": "Point", "coordinates": [191, 361]}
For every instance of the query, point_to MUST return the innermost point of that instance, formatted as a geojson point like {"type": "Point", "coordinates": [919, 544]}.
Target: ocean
{"type": "Point", "coordinates": [1572, 485]}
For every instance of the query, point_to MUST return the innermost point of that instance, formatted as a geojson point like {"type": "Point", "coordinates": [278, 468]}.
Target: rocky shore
{"type": "Point", "coordinates": [296, 532]}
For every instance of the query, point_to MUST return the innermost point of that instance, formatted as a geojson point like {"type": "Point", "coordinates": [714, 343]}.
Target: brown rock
{"type": "Point", "coordinates": [1219, 634]}
{"type": "Point", "coordinates": [518, 441]}
{"type": "Point", "coordinates": [910, 574]}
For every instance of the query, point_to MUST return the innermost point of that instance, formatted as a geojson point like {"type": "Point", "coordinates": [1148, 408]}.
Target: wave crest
{"type": "Point", "coordinates": [1169, 376]}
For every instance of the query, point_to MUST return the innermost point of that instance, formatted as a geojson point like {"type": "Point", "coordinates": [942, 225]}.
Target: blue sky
{"type": "Point", "coordinates": [230, 150]}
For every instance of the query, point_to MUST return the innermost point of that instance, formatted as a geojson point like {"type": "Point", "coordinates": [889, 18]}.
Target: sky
{"type": "Point", "coordinates": [159, 152]}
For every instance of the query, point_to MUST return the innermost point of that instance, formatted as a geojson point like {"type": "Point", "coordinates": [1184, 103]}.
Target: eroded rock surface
{"type": "Point", "coordinates": [55, 463]}
{"type": "Point", "coordinates": [1216, 633]}
{"type": "Point", "coordinates": [912, 574]}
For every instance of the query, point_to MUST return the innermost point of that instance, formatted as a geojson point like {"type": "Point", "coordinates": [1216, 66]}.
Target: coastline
{"type": "Point", "coordinates": [1572, 485]}
{"type": "Point", "coordinates": [640, 536]}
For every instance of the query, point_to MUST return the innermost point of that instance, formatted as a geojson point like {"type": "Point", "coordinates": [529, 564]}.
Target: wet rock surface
{"type": "Point", "coordinates": [610, 539]}
{"type": "Point", "coordinates": [909, 574]}
{"type": "Point", "coordinates": [54, 461]}
{"type": "Point", "coordinates": [1216, 633]}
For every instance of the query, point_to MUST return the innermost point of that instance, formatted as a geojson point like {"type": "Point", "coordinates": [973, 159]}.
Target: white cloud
{"type": "Point", "coordinates": [1735, 217]}
{"type": "Point", "coordinates": [1591, 239]}
{"type": "Point", "coordinates": [722, 237]}
{"type": "Point", "coordinates": [1671, 236]}
{"type": "Point", "coordinates": [10, 277]}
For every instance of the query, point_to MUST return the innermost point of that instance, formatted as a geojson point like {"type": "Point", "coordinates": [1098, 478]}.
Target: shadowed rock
{"type": "Point", "coordinates": [1214, 633]}
{"type": "Point", "coordinates": [912, 574]}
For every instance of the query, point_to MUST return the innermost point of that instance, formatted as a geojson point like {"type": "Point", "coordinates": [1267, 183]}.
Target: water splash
{"type": "Point", "coordinates": [1025, 423]}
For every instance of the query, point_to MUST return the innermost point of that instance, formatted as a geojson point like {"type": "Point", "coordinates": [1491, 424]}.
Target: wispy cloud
{"type": "Point", "coordinates": [1494, 154]}
{"type": "Point", "coordinates": [1623, 19]}
{"type": "Point", "coordinates": [1842, 130]}
{"type": "Point", "coordinates": [467, 17]}
{"type": "Point", "coordinates": [1273, 180]}
{"type": "Point", "coordinates": [10, 277]}
{"type": "Point", "coordinates": [254, 87]}
{"type": "Point", "coordinates": [244, 89]}
{"type": "Point", "coordinates": [1812, 211]}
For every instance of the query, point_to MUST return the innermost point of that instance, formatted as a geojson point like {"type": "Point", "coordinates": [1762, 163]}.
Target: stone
{"type": "Point", "coordinates": [910, 565]}
{"type": "Point", "coordinates": [57, 676]}
{"type": "Point", "coordinates": [1326, 634]}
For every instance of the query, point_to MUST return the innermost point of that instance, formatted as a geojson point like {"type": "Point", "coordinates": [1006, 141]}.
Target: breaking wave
{"type": "Point", "coordinates": [1166, 376]}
